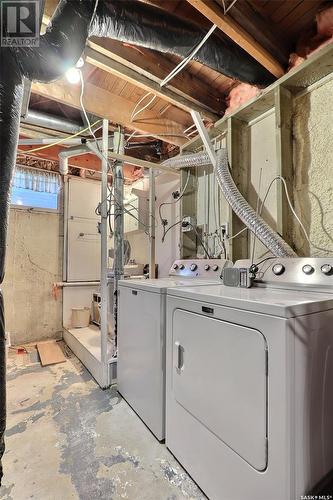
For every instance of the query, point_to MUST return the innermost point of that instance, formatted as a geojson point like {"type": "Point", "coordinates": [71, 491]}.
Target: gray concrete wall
{"type": "Point", "coordinates": [34, 263]}
{"type": "Point", "coordinates": [313, 170]}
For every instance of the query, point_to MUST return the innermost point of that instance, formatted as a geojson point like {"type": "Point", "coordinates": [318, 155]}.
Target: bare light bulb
{"type": "Point", "coordinates": [73, 75]}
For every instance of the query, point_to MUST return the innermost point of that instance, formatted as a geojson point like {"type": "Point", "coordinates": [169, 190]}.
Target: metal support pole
{"type": "Point", "coordinates": [152, 273]}
{"type": "Point", "coordinates": [118, 223]}
{"type": "Point", "coordinates": [104, 255]}
{"type": "Point", "coordinates": [202, 131]}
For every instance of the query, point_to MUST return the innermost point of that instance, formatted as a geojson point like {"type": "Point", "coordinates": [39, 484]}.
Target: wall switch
{"type": "Point", "coordinates": [188, 223]}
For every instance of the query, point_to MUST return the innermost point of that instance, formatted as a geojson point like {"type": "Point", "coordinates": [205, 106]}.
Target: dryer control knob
{"type": "Point", "coordinates": [327, 269]}
{"type": "Point", "coordinates": [207, 267]}
{"type": "Point", "coordinates": [193, 267]}
{"type": "Point", "coordinates": [175, 266]}
{"type": "Point", "coordinates": [215, 268]}
{"type": "Point", "coordinates": [308, 269]}
{"type": "Point", "coordinates": [278, 269]}
{"type": "Point", "coordinates": [181, 266]}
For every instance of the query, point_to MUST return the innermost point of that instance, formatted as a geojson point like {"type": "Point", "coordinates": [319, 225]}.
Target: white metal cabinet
{"type": "Point", "coordinates": [84, 243]}
{"type": "Point", "coordinates": [83, 197]}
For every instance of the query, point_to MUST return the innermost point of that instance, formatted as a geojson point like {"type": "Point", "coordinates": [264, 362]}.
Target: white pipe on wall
{"type": "Point", "coordinates": [152, 260]}
{"type": "Point", "coordinates": [104, 254]}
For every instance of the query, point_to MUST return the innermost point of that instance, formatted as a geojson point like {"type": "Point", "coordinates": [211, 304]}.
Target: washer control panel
{"type": "Point", "coordinates": [199, 268]}
{"type": "Point", "coordinates": [314, 272]}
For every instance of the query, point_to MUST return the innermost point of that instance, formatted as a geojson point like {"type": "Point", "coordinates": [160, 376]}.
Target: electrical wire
{"type": "Point", "coordinates": [237, 234]}
{"type": "Point", "coordinates": [200, 239]}
{"type": "Point", "coordinates": [257, 212]}
{"type": "Point", "coordinates": [172, 74]}
{"type": "Point", "coordinates": [88, 121]}
{"type": "Point", "coordinates": [172, 203]}
{"type": "Point", "coordinates": [94, 12]}
{"type": "Point", "coordinates": [187, 59]}
{"type": "Point", "coordinates": [254, 267]}
{"type": "Point", "coordinates": [226, 9]}
{"type": "Point", "coordinates": [60, 141]}
{"type": "Point", "coordinates": [135, 112]}
{"type": "Point", "coordinates": [177, 200]}
{"type": "Point", "coordinates": [169, 228]}
{"type": "Point", "coordinates": [282, 179]}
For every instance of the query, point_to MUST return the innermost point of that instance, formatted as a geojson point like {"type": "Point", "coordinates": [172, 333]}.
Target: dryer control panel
{"type": "Point", "coordinates": [296, 272]}
{"type": "Point", "coordinates": [202, 268]}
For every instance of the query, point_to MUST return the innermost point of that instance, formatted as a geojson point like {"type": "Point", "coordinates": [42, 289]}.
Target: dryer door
{"type": "Point", "coordinates": [219, 377]}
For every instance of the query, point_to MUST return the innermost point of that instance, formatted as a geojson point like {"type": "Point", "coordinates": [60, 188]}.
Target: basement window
{"type": "Point", "coordinates": [34, 188]}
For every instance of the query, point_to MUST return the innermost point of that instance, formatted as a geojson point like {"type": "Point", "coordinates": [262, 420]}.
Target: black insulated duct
{"type": "Point", "coordinates": [137, 23]}
{"type": "Point", "coordinates": [59, 49]}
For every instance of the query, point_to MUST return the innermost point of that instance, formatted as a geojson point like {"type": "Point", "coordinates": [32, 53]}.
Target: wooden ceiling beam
{"type": "Point", "coordinates": [211, 10]}
{"type": "Point", "coordinates": [115, 108]}
{"type": "Point", "coordinates": [135, 75]}
{"type": "Point", "coordinates": [155, 67]}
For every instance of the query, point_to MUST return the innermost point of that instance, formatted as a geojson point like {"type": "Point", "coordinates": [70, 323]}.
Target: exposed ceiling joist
{"type": "Point", "coordinates": [155, 67]}
{"type": "Point", "coordinates": [113, 107]}
{"type": "Point", "coordinates": [136, 76]}
{"type": "Point", "coordinates": [211, 10]}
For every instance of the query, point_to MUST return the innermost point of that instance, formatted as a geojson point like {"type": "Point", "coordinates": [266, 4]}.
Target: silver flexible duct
{"type": "Point", "coordinates": [240, 206]}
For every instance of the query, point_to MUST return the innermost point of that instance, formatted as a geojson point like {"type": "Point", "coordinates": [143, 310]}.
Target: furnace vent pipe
{"type": "Point", "coordinates": [68, 153]}
{"type": "Point", "coordinates": [46, 120]}
{"type": "Point", "coordinates": [142, 25]}
{"type": "Point", "coordinates": [270, 238]}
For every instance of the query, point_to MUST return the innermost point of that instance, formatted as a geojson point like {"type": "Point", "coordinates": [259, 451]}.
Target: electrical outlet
{"type": "Point", "coordinates": [188, 223]}
{"type": "Point", "coordinates": [225, 229]}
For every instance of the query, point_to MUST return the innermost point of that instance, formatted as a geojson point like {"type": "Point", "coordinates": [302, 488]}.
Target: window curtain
{"type": "Point", "coordinates": [36, 180]}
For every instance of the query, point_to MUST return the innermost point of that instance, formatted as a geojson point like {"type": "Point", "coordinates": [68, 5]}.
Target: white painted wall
{"type": "Point", "coordinates": [168, 251]}
{"type": "Point", "coordinates": [263, 164]}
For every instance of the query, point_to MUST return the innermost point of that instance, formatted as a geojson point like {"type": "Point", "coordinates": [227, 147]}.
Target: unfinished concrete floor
{"type": "Point", "coordinates": [68, 439]}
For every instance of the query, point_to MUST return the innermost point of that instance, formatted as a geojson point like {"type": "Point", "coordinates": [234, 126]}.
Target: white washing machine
{"type": "Point", "coordinates": [249, 403]}
{"type": "Point", "coordinates": [141, 336]}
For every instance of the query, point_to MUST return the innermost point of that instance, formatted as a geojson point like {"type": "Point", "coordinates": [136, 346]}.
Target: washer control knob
{"type": "Point", "coordinates": [193, 267]}
{"type": "Point", "coordinates": [308, 269]}
{"type": "Point", "coordinates": [327, 269]}
{"type": "Point", "coordinates": [215, 267]}
{"type": "Point", "coordinates": [207, 267]}
{"type": "Point", "coordinates": [278, 269]}
{"type": "Point", "coordinates": [175, 266]}
{"type": "Point", "coordinates": [181, 266]}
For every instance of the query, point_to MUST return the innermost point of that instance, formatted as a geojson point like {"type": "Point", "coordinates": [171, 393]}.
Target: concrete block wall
{"type": "Point", "coordinates": [34, 263]}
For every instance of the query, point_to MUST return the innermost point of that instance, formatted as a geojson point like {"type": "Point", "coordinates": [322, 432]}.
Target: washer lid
{"type": "Point", "coordinates": [160, 285]}
{"type": "Point", "coordinates": [272, 301]}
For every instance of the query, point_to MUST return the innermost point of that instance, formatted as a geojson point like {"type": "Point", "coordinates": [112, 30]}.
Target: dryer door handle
{"type": "Point", "coordinates": [180, 356]}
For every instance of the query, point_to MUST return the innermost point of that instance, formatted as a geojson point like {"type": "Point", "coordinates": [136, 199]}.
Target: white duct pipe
{"type": "Point", "coordinates": [68, 153]}
{"type": "Point", "coordinates": [47, 140]}
{"type": "Point", "coordinates": [53, 122]}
